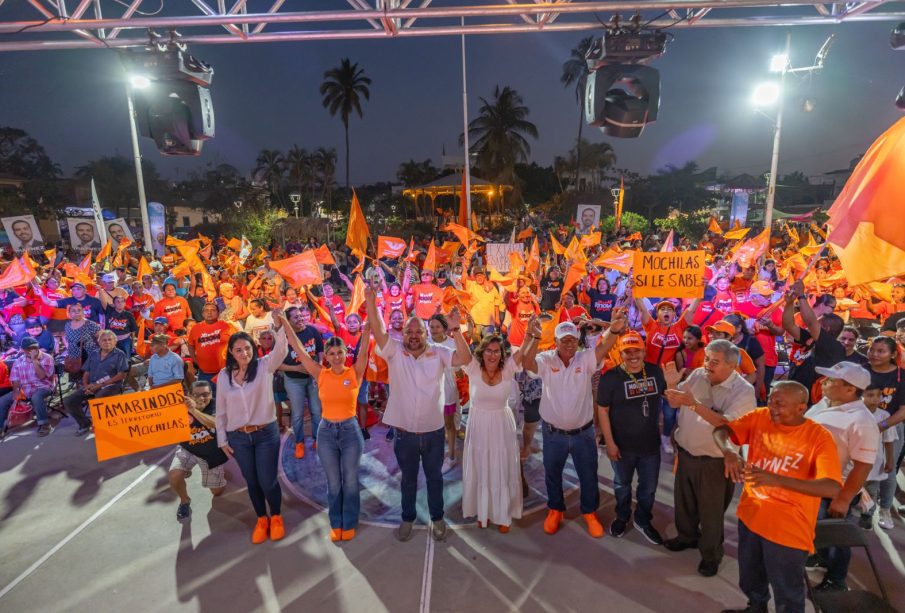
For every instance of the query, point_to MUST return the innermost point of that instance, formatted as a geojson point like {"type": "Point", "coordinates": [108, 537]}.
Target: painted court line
{"type": "Point", "coordinates": [28, 571]}
{"type": "Point", "coordinates": [427, 577]}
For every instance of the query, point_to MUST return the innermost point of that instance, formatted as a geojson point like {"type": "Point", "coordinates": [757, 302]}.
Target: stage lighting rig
{"type": "Point", "coordinates": [174, 106]}
{"type": "Point", "coordinates": [622, 94]}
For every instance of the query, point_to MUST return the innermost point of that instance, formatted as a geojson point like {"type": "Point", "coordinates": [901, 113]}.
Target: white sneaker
{"type": "Point", "coordinates": [885, 520]}
{"type": "Point", "coordinates": [666, 444]}
{"type": "Point", "coordinates": [448, 464]}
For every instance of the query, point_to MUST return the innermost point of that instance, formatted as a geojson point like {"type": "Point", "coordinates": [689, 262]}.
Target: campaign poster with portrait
{"type": "Point", "coordinates": [23, 233]}
{"type": "Point", "coordinates": [157, 219]}
{"type": "Point", "coordinates": [83, 234]}
{"type": "Point", "coordinates": [118, 229]}
{"type": "Point", "coordinates": [587, 217]}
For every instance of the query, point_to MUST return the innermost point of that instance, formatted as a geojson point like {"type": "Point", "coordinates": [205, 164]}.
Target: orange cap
{"type": "Point", "coordinates": [762, 287]}
{"type": "Point", "coordinates": [722, 326]}
{"type": "Point", "coordinates": [631, 340]}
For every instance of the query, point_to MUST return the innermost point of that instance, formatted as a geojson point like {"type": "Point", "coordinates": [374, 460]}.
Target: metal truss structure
{"type": "Point", "coordinates": [31, 25]}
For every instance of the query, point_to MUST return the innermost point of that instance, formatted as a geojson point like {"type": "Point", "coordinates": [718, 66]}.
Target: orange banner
{"type": "Point", "coordinates": [301, 269]}
{"type": "Point", "coordinates": [390, 247]}
{"type": "Point", "coordinates": [132, 423]}
{"type": "Point", "coordinates": [674, 274]}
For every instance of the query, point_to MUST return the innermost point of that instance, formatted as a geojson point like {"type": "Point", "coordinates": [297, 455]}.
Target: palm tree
{"type": "Point", "coordinates": [342, 90]}
{"type": "Point", "coordinates": [297, 160]}
{"type": "Point", "coordinates": [575, 72]}
{"type": "Point", "coordinates": [269, 168]}
{"type": "Point", "coordinates": [499, 134]}
{"type": "Point", "coordinates": [324, 165]}
{"type": "Point", "coordinates": [598, 157]}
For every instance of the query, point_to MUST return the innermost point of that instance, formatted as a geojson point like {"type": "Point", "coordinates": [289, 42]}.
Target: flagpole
{"type": "Point", "coordinates": [139, 176]}
{"type": "Point", "coordinates": [467, 166]}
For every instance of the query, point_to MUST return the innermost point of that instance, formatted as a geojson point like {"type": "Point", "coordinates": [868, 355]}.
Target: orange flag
{"type": "Point", "coordinates": [143, 268]}
{"type": "Point", "coordinates": [620, 202]}
{"type": "Point", "coordinates": [208, 283]}
{"type": "Point", "coordinates": [411, 257]}
{"type": "Point", "coordinates": [51, 255]}
{"type": "Point", "coordinates": [548, 329]}
{"type": "Point", "coordinates": [455, 297]}
{"type": "Point", "coordinates": [463, 205]}
{"type": "Point", "coordinates": [358, 233]}
{"type": "Point", "coordinates": [321, 311]}
{"type": "Point", "coordinates": [558, 249]}
{"type": "Point", "coordinates": [516, 263]}
{"type": "Point", "coordinates": [301, 269]}
{"type": "Point", "coordinates": [361, 261]}
{"type": "Point", "coordinates": [140, 344]}
{"type": "Point", "coordinates": [592, 239]}
{"type": "Point", "coordinates": [85, 264]}
{"type": "Point", "coordinates": [358, 295]}
{"type": "Point", "coordinates": [15, 275]}
{"type": "Point", "coordinates": [206, 252]}
{"type": "Point", "coordinates": [573, 276]}
{"type": "Point", "coordinates": [634, 237]}
{"type": "Point", "coordinates": [736, 234]}
{"type": "Point", "coordinates": [234, 243]}
{"type": "Point", "coordinates": [390, 247]}
{"type": "Point", "coordinates": [751, 249]}
{"type": "Point", "coordinates": [430, 261]}
{"type": "Point", "coordinates": [575, 252]}
{"type": "Point", "coordinates": [617, 260]}
{"type": "Point", "coordinates": [714, 226]}
{"type": "Point", "coordinates": [533, 263]}
{"type": "Point", "coordinates": [105, 251]}
{"type": "Point", "coordinates": [30, 265]}
{"type": "Point", "coordinates": [462, 233]}
{"type": "Point", "coordinates": [323, 256]}
{"type": "Point", "coordinates": [474, 222]}
{"type": "Point", "coordinates": [525, 234]}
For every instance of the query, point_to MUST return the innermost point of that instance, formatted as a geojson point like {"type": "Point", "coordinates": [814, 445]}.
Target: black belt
{"type": "Point", "coordinates": [556, 430]}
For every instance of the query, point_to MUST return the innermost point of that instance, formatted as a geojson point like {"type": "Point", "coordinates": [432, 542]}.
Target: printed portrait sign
{"type": "Point", "coordinates": [117, 230]}
{"type": "Point", "coordinates": [83, 234]}
{"type": "Point", "coordinates": [673, 274]}
{"type": "Point", "coordinates": [23, 233]}
{"type": "Point", "coordinates": [587, 216]}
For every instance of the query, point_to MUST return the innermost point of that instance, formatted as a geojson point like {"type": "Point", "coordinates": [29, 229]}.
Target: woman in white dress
{"type": "Point", "coordinates": [491, 477]}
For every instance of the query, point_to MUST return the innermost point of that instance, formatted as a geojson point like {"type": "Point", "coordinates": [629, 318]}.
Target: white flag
{"type": "Point", "coordinates": [98, 218]}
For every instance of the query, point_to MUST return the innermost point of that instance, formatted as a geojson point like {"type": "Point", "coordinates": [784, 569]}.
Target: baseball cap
{"type": "Point", "coordinates": [161, 320]}
{"type": "Point", "coordinates": [664, 303]}
{"type": "Point", "coordinates": [78, 284]}
{"type": "Point", "coordinates": [762, 287]}
{"type": "Point", "coordinates": [631, 340]}
{"type": "Point", "coordinates": [32, 322]}
{"type": "Point", "coordinates": [163, 339]}
{"type": "Point", "coordinates": [28, 342]}
{"type": "Point", "coordinates": [849, 372]}
{"type": "Point", "coordinates": [108, 278]}
{"type": "Point", "coordinates": [722, 326]}
{"type": "Point", "coordinates": [566, 328]}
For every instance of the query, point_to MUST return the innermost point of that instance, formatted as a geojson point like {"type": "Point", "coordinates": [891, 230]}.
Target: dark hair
{"type": "Point", "coordinates": [258, 302]}
{"type": "Point", "coordinates": [824, 300]}
{"type": "Point", "coordinates": [873, 386]}
{"type": "Point", "coordinates": [201, 383]}
{"type": "Point", "coordinates": [232, 364]}
{"type": "Point", "coordinates": [334, 341]}
{"type": "Point", "coordinates": [890, 344]}
{"type": "Point", "coordinates": [834, 324]}
{"type": "Point", "coordinates": [486, 342]}
{"type": "Point", "coordinates": [696, 332]}
{"type": "Point", "coordinates": [441, 318]}
{"type": "Point", "coordinates": [852, 330]}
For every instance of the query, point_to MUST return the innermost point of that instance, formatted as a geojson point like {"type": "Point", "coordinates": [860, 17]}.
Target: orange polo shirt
{"type": "Point", "coordinates": [338, 393]}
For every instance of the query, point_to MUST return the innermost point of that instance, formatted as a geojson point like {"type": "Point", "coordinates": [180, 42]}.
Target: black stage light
{"type": "Point", "coordinates": [622, 99]}
{"type": "Point", "coordinates": [897, 37]}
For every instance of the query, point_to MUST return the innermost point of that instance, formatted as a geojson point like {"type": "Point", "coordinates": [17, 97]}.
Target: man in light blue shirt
{"type": "Point", "coordinates": [165, 367]}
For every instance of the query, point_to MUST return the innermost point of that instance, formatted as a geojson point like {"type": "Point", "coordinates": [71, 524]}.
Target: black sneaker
{"type": "Point", "coordinates": [708, 568]}
{"type": "Point", "coordinates": [828, 585]}
{"type": "Point", "coordinates": [679, 545]}
{"type": "Point", "coordinates": [866, 522]}
{"type": "Point", "coordinates": [814, 561]}
{"type": "Point", "coordinates": [749, 609]}
{"type": "Point", "coordinates": [617, 528]}
{"type": "Point", "coordinates": [365, 434]}
{"type": "Point", "coordinates": [391, 433]}
{"type": "Point", "coordinates": [650, 533]}
{"type": "Point", "coordinates": [184, 511]}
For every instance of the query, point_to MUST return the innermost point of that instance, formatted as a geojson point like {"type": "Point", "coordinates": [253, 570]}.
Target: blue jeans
{"type": "Point", "coordinates": [426, 449]}
{"type": "Point", "coordinates": [38, 401]}
{"type": "Point", "coordinates": [583, 449]}
{"type": "Point", "coordinates": [837, 558]}
{"type": "Point", "coordinates": [339, 446]}
{"type": "Point", "coordinates": [298, 390]}
{"type": "Point", "coordinates": [257, 454]}
{"type": "Point", "coordinates": [648, 469]}
{"type": "Point", "coordinates": [125, 346]}
{"type": "Point", "coordinates": [763, 564]}
{"type": "Point", "coordinates": [670, 416]}
{"type": "Point", "coordinates": [888, 485]}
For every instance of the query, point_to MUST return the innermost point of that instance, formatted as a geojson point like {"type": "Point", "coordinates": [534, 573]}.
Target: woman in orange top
{"type": "Point", "coordinates": [339, 439]}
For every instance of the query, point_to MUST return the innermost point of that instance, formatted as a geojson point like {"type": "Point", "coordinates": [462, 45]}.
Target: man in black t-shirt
{"type": "Point", "coordinates": [299, 384]}
{"type": "Point", "coordinates": [551, 289]}
{"type": "Point", "coordinates": [201, 450]}
{"type": "Point", "coordinates": [122, 323]}
{"type": "Point", "coordinates": [628, 399]}
{"type": "Point", "coordinates": [817, 345]}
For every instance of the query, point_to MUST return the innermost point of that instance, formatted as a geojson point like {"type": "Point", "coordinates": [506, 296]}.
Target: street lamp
{"type": "Point", "coordinates": [765, 94]}
{"type": "Point", "coordinates": [139, 82]}
{"type": "Point", "coordinates": [295, 198]}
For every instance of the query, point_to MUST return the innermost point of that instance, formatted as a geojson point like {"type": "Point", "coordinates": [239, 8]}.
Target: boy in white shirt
{"type": "Point", "coordinates": [872, 398]}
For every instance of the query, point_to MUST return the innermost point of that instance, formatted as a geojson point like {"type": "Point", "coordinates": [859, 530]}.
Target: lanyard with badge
{"type": "Point", "coordinates": [645, 405]}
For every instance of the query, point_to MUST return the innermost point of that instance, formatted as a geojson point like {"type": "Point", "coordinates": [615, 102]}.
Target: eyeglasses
{"type": "Point", "coordinates": [493, 351]}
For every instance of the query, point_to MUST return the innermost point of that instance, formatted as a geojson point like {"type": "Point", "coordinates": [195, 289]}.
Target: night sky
{"type": "Point", "coordinates": [266, 96]}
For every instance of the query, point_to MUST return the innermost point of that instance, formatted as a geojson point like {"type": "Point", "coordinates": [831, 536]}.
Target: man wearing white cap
{"type": "Point", "coordinates": [857, 437]}
{"type": "Point", "coordinates": [567, 410]}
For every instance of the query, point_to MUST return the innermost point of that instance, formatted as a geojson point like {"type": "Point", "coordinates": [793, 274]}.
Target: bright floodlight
{"type": "Point", "coordinates": [765, 94]}
{"type": "Point", "coordinates": [779, 62]}
{"type": "Point", "coordinates": [139, 81]}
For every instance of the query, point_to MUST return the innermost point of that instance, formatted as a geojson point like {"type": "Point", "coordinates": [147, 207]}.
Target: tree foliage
{"type": "Point", "coordinates": [690, 224]}
{"type": "Point", "coordinates": [342, 91]}
{"type": "Point", "coordinates": [630, 221]}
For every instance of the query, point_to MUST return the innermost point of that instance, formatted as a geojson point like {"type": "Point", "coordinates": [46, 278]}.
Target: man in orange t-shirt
{"type": "Point", "coordinates": [173, 307]}
{"type": "Point", "coordinates": [426, 296]}
{"type": "Point", "coordinates": [207, 344]}
{"type": "Point", "coordinates": [792, 464]}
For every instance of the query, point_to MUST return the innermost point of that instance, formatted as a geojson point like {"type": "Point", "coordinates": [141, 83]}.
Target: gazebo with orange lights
{"type": "Point", "coordinates": [451, 185]}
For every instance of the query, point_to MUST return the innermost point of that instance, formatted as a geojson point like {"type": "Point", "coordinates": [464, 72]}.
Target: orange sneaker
{"type": "Point", "coordinates": [595, 528]}
{"type": "Point", "coordinates": [277, 529]}
{"type": "Point", "coordinates": [299, 451]}
{"type": "Point", "coordinates": [503, 529]}
{"type": "Point", "coordinates": [259, 535]}
{"type": "Point", "coordinates": [336, 534]}
{"type": "Point", "coordinates": [551, 523]}
{"type": "Point", "coordinates": [348, 535]}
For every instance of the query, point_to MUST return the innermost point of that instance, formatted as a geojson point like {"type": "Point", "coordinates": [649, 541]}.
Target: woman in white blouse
{"type": "Point", "coordinates": [247, 425]}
